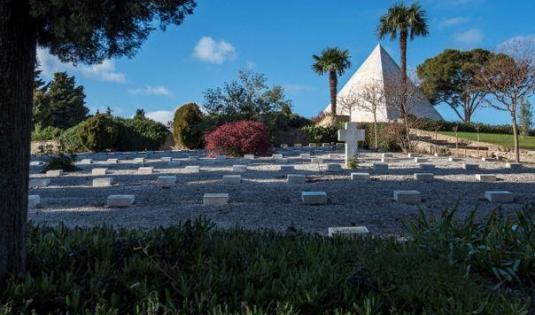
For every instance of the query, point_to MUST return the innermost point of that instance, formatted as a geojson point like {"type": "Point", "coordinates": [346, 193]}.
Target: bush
{"type": "Point", "coordinates": [442, 125]}
{"type": "Point", "coordinates": [97, 133]}
{"type": "Point", "coordinates": [238, 138]}
{"type": "Point", "coordinates": [70, 142]}
{"type": "Point", "coordinates": [187, 131]}
{"type": "Point", "coordinates": [194, 269]}
{"type": "Point", "coordinates": [60, 161]}
{"type": "Point", "coordinates": [388, 135]}
{"type": "Point", "coordinates": [321, 134]}
{"type": "Point", "coordinates": [498, 248]}
{"type": "Point", "coordinates": [140, 134]}
{"type": "Point", "coordinates": [43, 134]}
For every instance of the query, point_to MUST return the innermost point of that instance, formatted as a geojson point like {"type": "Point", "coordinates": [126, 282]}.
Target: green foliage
{"type": "Point", "coordinates": [353, 163]}
{"type": "Point", "coordinates": [318, 134]}
{"type": "Point", "coordinates": [194, 269]}
{"type": "Point", "coordinates": [98, 133]}
{"type": "Point", "coordinates": [500, 248]}
{"type": "Point", "coordinates": [59, 104]}
{"type": "Point", "coordinates": [331, 60]}
{"type": "Point", "coordinates": [140, 134]}
{"type": "Point", "coordinates": [450, 78]}
{"type": "Point", "coordinates": [60, 161]}
{"type": "Point", "coordinates": [442, 125]}
{"type": "Point", "coordinates": [187, 127]}
{"type": "Point", "coordinates": [405, 22]}
{"type": "Point", "coordinates": [525, 117]}
{"type": "Point", "coordinates": [388, 136]}
{"type": "Point", "coordinates": [48, 133]}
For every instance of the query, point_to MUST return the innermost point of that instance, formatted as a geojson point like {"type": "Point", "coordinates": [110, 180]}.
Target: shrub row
{"type": "Point", "coordinates": [195, 269]}
{"type": "Point", "coordinates": [103, 132]}
{"type": "Point", "coordinates": [442, 125]}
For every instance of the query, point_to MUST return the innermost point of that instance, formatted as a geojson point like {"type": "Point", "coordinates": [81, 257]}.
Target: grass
{"type": "Point", "coordinates": [445, 268]}
{"type": "Point", "coordinates": [526, 142]}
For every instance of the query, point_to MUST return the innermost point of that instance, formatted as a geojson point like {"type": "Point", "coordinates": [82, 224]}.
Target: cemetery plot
{"type": "Point", "coordinates": [269, 193]}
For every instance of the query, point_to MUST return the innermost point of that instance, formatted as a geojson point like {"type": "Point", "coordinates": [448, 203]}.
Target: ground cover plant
{"type": "Point", "coordinates": [194, 268]}
{"type": "Point", "coordinates": [526, 142]}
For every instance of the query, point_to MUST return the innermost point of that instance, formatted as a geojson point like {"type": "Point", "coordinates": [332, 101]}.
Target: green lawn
{"type": "Point", "coordinates": [499, 139]}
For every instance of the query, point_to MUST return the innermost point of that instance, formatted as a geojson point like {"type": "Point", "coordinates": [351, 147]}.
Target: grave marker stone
{"type": "Point", "coordinates": [350, 135]}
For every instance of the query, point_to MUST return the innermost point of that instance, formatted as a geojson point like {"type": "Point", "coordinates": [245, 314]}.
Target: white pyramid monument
{"type": "Point", "coordinates": [382, 71]}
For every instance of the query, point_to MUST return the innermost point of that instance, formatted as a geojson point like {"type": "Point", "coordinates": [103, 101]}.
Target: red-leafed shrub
{"type": "Point", "coordinates": [238, 138]}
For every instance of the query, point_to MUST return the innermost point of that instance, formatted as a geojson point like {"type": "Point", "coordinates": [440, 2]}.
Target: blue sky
{"type": "Point", "coordinates": [277, 38]}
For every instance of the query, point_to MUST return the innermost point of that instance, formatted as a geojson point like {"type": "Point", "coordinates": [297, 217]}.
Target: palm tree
{"type": "Point", "coordinates": [335, 62]}
{"type": "Point", "coordinates": [407, 22]}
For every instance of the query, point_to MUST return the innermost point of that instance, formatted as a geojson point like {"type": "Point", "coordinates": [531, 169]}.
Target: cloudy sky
{"type": "Point", "coordinates": [277, 38]}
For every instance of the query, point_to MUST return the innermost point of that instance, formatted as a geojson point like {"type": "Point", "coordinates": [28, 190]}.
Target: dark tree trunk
{"type": "Point", "coordinates": [17, 62]}
{"type": "Point", "coordinates": [403, 55]}
{"type": "Point", "coordinates": [333, 83]}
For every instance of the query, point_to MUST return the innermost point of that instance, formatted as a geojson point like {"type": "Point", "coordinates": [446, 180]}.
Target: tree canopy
{"type": "Point", "coordinates": [60, 103]}
{"type": "Point", "coordinates": [450, 78]}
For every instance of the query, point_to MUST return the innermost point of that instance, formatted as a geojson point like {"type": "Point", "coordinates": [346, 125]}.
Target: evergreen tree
{"type": "Point", "coordinates": [140, 113]}
{"type": "Point", "coordinates": [525, 117]}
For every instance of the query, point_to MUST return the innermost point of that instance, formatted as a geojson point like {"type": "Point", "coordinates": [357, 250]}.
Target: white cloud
{"type": "Point", "coordinates": [249, 65]}
{"type": "Point", "coordinates": [163, 116]}
{"type": "Point", "coordinates": [210, 50]}
{"type": "Point", "coordinates": [471, 37]}
{"type": "Point", "coordinates": [454, 21]}
{"type": "Point", "coordinates": [151, 90]}
{"type": "Point", "coordinates": [105, 71]}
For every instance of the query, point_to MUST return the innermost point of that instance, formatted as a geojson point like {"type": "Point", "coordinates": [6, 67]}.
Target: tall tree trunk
{"type": "Point", "coordinates": [333, 83]}
{"type": "Point", "coordinates": [17, 62]}
{"type": "Point", "coordinates": [403, 55]}
{"type": "Point", "coordinates": [515, 136]}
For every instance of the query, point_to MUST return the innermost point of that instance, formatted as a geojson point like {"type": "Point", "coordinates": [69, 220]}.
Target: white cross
{"type": "Point", "coordinates": [350, 135]}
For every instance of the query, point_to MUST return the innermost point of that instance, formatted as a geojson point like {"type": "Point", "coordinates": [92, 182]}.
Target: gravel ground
{"type": "Point", "coordinates": [264, 199]}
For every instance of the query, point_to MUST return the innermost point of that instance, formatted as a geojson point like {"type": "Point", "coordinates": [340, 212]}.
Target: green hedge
{"type": "Point", "coordinates": [442, 125]}
{"type": "Point", "coordinates": [102, 132]}
{"type": "Point", "coordinates": [48, 133]}
{"type": "Point", "coordinates": [194, 269]}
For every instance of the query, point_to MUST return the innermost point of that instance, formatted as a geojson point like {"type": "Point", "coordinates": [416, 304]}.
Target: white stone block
{"type": "Point", "coordinates": [286, 168]}
{"type": "Point", "coordinates": [386, 155]}
{"type": "Point", "coordinates": [411, 155]}
{"type": "Point", "coordinates": [407, 196]}
{"type": "Point", "coordinates": [424, 177]}
{"type": "Point", "coordinates": [119, 201]}
{"type": "Point", "coordinates": [513, 166]}
{"type": "Point", "coordinates": [34, 201]}
{"type": "Point", "coordinates": [295, 179]}
{"type": "Point", "coordinates": [239, 168]}
{"type": "Point", "coordinates": [39, 182]}
{"type": "Point", "coordinates": [166, 159]}
{"type": "Point", "coordinates": [427, 166]}
{"type": "Point", "coordinates": [316, 160]}
{"type": "Point", "coordinates": [360, 176]}
{"type": "Point", "coordinates": [284, 146]}
{"type": "Point", "coordinates": [312, 145]}
{"type": "Point", "coordinates": [54, 173]}
{"type": "Point", "coordinates": [145, 170]}
{"type": "Point", "coordinates": [112, 161]}
{"type": "Point", "coordinates": [231, 179]}
{"type": "Point", "coordinates": [326, 145]}
{"type": "Point", "coordinates": [419, 160]}
{"type": "Point", "coordinates": [470, 167]}
{"type": "Point", "coordinates": [217, 199]}
{"type": "Point", "coordinates": [86, 161]}
{"type": "Point", "coordinates": [314, 197]}
{"type": "Point", "coordinates": [139, 160]}
{"type": "Point", "coordinates": [347, 231]}
{"type": "Point", "coordinates": [380, 167]}
{"type": "Point", "coordinates": [99, 171]}
{"type": "Point", "coordinates": [166, 181]}
{"type": "Point", "coordinates": [486, 177]}
{"type": "Point", "coordinates": [276, 156]}
{"type": "Point", "coordinates": [36, 163]}
{"type": "Point", "coordinates": [193, 168]}
{"type": "Point", "coordinates": [249, 156]}
{"type": "Point", "coordinates": [304, 156]}
{"type": "Point", "coordinates": [102, 182]}
{"type": "Point", "coordinates": [331, 167]}
{"type": "Point", "coordinates": [298, 145]}
{"type": "Point", "coordinates": [499, 196]}
{"type": "Point", "coordinates": [453, 159]}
